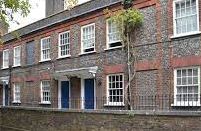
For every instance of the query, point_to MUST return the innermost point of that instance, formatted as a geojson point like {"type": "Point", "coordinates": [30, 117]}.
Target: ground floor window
{"type": "Point", "coordinates": [45, 92]}
{"type": "Point", "coordinates": [187, 86]}
{"type": "Point", "coordinates": [115, 85]}
{"type": "Point", "coordinates": [16, 93]}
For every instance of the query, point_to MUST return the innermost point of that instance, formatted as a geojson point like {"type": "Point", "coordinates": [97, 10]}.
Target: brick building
{"type": "Point", "coordinates": [74, 59]}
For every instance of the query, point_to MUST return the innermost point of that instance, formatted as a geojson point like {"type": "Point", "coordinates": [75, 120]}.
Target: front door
{"type": "Point", "coordinates": [6, 95]}
{"type": "Point", "coordinates": [65, 94]}
{"type": "Point", "coordinates": [89, 93]}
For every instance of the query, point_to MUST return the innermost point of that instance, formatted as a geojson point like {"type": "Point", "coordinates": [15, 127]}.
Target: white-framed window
{"type": "Point", "coordinates": [17, 56]}
{"type": "Point", "coordinates": [16, 93]}
{"type": "Point", "coordinates": [187, 86]}
{"type": "Point", "coordinates": [186, 17]}
{"type": "Point", "coordinates": [64, 44]}
{"type": "Point", "coordinates": [115, 89]}
{"type": "Point", "coordinates": [45, 92]}
{"type": "Point", "coordinates": [113, 34]}
{"type": "Point", "coordinates": [88, 38]}
{"type": "Point", "coordinates": [6, 58]}
{"type": "Point", "coordinates": [45, 49]}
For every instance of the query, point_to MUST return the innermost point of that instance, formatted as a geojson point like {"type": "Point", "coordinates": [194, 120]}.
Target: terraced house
{"type": "Point", "coordinates": [74, 59]}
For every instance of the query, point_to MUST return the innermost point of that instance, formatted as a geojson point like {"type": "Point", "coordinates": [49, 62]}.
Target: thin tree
{"type": "Point", "coordinates": [128, 20]}
{"type": "Point", "coordinates": [9, 7]}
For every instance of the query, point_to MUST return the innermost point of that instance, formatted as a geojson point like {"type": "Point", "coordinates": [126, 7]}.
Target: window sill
{"type": "Point", "coordinates": [45, 60]}
{"type": "Point", "coordinates": [186, 105]}
{"type": "Point", "coordinates": [185, 35]}
{"type": "Point", "coordinates": [112, 48]}
{"type": "Point", "coordinates": [4, 68]}
{"type": "Point", "coordinates": [16, 102]}
{"type": "Point", "coordinates": [15, 66]}
{"type": "Point", "coordinates": [87, 53]}
{"type": "Point", "coordinates": [45, 103]}
{"type": "Point", "coordinates": [62, 57]}
{"type": "Point", "coordinates": [114, 105]}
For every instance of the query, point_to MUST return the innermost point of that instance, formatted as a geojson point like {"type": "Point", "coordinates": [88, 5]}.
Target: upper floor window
{"type": "Point", "coordinates": [186, 17]}
{"type": "Point", "coordinates": [45, 92]}
{"type": "Point", "coordinates": [187, 86]}
{"type": "Point", "coordinates": [16, 93]}
{"type": "Point", "coordinates": [115, 84]}
{"type": "Point", "coordinates": [30, 53]}
{"type": "Point", "coordinates": [17, 56]}
{"type": "Point", "coordinates": [45, 49]}
{"type": "Point", "coordinates": [6, 58]}
{"type": "Point", "coordinates": [88, 38]}
{"type": "Point", "coordinates": [113, 35]}
{"type": "Point", "coordinates": [64, 44]}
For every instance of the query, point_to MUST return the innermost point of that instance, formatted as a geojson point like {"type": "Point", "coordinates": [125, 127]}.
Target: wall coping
{"type": "Point", "coordinates": [113, 112]}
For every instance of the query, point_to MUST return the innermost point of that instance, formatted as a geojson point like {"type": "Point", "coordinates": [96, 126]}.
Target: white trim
{"type": "Point", "coordinates": [59, 44]}
{"type": "Point", "coordinates": [82, 94]}
{"type": "Point", "coordinates": [59, 92]}
{"type": "Point", "coordinates": [186, 103]}
{"type": "Point", "coordinates": [3, 64]}
{"type": "Point", "coordinates": [45, 60]}
{"type": "Point", "coordinates": [41, 53]}
{"type": "Point", "coordinates": [14, 64]}
{"type": "Point", "coordinates": [187, 34]}
{"type": "Point", "coordinates": [107, 39]}
{"type": "Point", "coordinates": [85, 26]}
{"type": "Point", "coordinates": [62, 57]}
{"type": "Point", "coordinates": [4, 95]}
{"type": "Point", "coordinates": [108, 103]}
{"type": "Point", "coordinates": [175, 35]}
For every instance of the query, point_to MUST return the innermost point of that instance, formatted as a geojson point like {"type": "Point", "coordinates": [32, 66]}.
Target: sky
{"type": "Point", "coordinates": [37, 12]}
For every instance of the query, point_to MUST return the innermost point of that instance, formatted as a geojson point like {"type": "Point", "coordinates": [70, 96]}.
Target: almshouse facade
{"type": "Point", "coordinates": [74, 59]}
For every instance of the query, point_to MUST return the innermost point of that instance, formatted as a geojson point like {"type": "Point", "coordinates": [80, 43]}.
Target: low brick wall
{"type": "Point", "coordinates": [19, 119]}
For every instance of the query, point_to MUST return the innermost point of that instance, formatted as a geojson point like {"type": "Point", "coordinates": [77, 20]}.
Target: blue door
{"type": "Point", "coordinates": [89, 93]}
{"type": "Point", "coordinates": [6, 95]}
{"type": "Point", "coordinates": [64, 94]}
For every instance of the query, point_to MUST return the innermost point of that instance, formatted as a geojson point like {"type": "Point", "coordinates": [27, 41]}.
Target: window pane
{"type": "Point", "coordinates": [188, 90]}
{"type": "Point", "coordinates": [186, 16]}
{"type": "Point", "coordinates": [45, 91]}
{"type": "Point", "coordinates": [115, 88]}
{"type": "Point", "coordinates": [88, 38]}
{"type": "Point", "coordinates": [64, 44]}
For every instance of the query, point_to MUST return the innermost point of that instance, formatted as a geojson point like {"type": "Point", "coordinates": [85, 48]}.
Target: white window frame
{"type": "Point", "coordinates": [59, 45]}
{"type": "Point", "coordinates": [186, 103]}
{"type": "Point", "coordinates": [108, 95]}
{"type": "Point", "coordinates": [42, 100]}
{"type": "Point", "coordinates": [41, 50]}
{"type": "Point", "coordinates": [3, 64]}
{"type": "Point", "coordinates": [107, 36]}
{"type": "Point", "coordinates": [17, 57]}
{"type": "Point", "coordinates": [16, 85]}
{"type": "Point", "coordinates": [174, 21]}
{"type": "Point", "coordinates": [82, 46]}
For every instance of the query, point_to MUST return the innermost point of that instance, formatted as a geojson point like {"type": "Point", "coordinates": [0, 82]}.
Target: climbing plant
{"type": "Point", "coordinates": [127, 21]}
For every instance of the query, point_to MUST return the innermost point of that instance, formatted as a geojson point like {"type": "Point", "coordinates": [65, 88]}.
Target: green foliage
{"type": "Point", "coordinates": [130, 19]}
{"type": "Point", "coordinates": [10, 7]}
